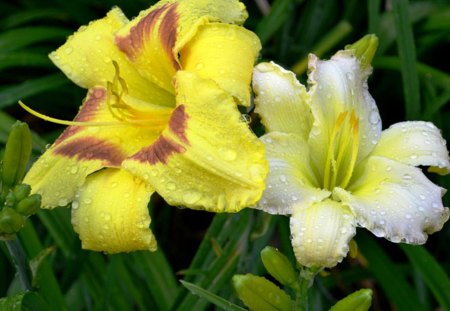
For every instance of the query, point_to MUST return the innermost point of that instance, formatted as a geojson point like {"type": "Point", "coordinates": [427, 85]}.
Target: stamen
{"type": "Point", "coordinates": [330, 163]}
{"type": "Point", "coordinates": [143, 122]}
{"type": "Point", "coordinates": [354, 122]}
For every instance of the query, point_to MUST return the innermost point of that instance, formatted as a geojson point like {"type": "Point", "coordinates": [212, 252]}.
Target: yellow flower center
{"type": "Point", "coordinates": [342, 151]}
{"type": "Point", "coordinates": [125, 114]}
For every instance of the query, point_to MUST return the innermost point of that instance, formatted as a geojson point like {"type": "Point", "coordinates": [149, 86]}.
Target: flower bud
{"type": "Point", "coordinates": [17, 153]}
{"type": "Point", "coordinates": [278, 265]}
{"type": "Point", "coordinates": [10, 221]}
{"type": "Point", "coordinates": [258, 293]}
{"type": "Point", "coordinates": [21, 191]}
{"type": "Point", "coordinates": [29, 205]}
{"type": "Point", "coordinates": [357, 301]}
{"type": "Point", "coordinates": [365, 49]}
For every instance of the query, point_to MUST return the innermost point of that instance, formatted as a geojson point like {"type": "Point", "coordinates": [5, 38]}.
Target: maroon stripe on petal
{"type": "Point", "coordinates": [87, 112]}
{"type": "Point", "coordinates": [134, 41]}
{"type": "Point", "coordinates": [168, 33]}
{"type": "Point", "coordinates": [178, 123]}
{"type": "Point", "coordinates": [91, 148]}
{"type": "Point", "coordinates": [159, 151]}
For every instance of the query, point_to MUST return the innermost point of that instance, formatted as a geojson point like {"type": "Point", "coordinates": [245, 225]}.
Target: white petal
{"type": "Point", "coordinates": [281, 101]}
{"type": "Point", "coordinates": [321, 233]}
{"type": "Point", "coordinates": [290, 180]}
{"type": "Point", "coordinates": [395, 201]}
{"type": "Point", "coordinates": [338, 85]}
{"type": "Point", "coordinates": [415, 143]}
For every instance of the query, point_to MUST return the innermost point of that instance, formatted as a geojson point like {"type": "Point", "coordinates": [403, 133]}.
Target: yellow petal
{"type": "Point", "coordinates": [281, 101]}
{"type": "Point", "coordinates": [321, 233]}
{"type": "Point", "coordinates": [225, 53]}
{"type": "Point", "coordinates": [153, 40]}
{"type": "Point", "coordinates": [415, 143]}
{"type": "Point", "coordinates": [339, 85]}
{"type": "Point", "coordinates": [206, 158]}
{"type": "Point", "coordinates": [81, 150]}
{"type": "Point", "coordinates": [290, 180]}
{"type": "Point", "coordinates": [87, 59]}
{"type": "Point", "coordinates": [395, 201]}
{"type": "Point", "coordinates": [110, 213]}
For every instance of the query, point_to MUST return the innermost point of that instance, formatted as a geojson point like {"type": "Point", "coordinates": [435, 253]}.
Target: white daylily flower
{"type": "Point", "coordinates": [331, 166]}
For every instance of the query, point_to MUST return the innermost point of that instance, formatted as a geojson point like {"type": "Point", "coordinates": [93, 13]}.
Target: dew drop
{"type": "Point", "coordinates": [374, 117]}
{"type": "Point", "coordinates": [74, 170]}
{"type": "Point", "coordinates": [171, 186]}
{"type": "Point", "coordinates": [87, 201]}
{"type": "Point", "coordinates": [75, 205]}
{"type": "Point", "coordinates": [257, 172]}
{"type": "Point", "coordinates": [114, 184]}
{"type": "Point", "coordinates": [228, 154]}
{"type": "Point", "coordinates": [283, 178]}
{"type": "Point", "coordinates": [63, 202]}
{"type": "Point", "coordinates": [349, 76]}
{"type": "Point", "coordinates": [68, 50]}
{"type": "Point", "coordinates": [192, 197]}
{"type": "Point", "coordinates": [407, 177]}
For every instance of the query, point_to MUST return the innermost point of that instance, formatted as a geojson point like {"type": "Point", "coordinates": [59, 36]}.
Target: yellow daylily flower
{"type": "Point", "coordinates": [160, 115]}
{"type": "Point", "coordinates": [332, 168]}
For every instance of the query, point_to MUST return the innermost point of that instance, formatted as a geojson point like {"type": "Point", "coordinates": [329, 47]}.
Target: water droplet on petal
{"type": "Point", "coordinates": [228, 154]}
{"type": "Point", "coordinates": [191, 197]}
{"type": "Point", "coordinates": [374, 117]}
{"type": "Point", "coordinates": [283, 178]}
{"type": "Point", "coordinates": [63, 202]}
{"type": "Point", "coordinates": [407, 177]}
{"type": "Point", "coordinates": [171, 186]}
{"type": "Point", "coordinates": [68, 50]}
{"type": "Point", "coordinates": [75, 205]}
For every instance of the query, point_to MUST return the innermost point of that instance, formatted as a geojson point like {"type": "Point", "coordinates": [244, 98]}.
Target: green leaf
{"type": "Point", "coordinates": [218, 301]}
{"type": "Point", "coordinates": [23, 302]}
{"type": "Point", "coordinates": [407, 54]}
{"type": "Point", "coordinates": [432, 273]}
{"type": "Point", "coordinates": [21, 37]}
{"type": "Point", "coordinates": [30, 15]}
{"type": "Point", "coordinates": [12, 94]}
{"type": "Point", "coordinates": [158, 275]}
{"type": "Point", "coordinates": [391, 279]}
{"type": "Point", "coordinates": [271, 23]}
{"type": "Point", "coordinates": [23, 59]}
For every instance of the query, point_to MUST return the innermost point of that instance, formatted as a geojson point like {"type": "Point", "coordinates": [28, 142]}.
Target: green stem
{"type": "Point", "coordinates": [20, 261]}
{"type": "Point", "coordinates": [305, 281]}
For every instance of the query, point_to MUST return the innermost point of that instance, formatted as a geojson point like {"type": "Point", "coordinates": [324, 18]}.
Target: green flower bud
{"type": "Point", "coordinates": [17, 153]}
{"type": "Point", "coordinates": [365, 49]}
{"type": "Point", "coordinates": [21, 191]}
{"type": "Point", "coordinates": [10, 221]}
{"type": "Point", "coordinates": [279, 266]}
{"type": "Point", "coordinates": [29, 205]}
{"type": "Point", "coordinates": [357, 301]}
{"type": "Point", "coordinates": [10, 199]}
{"type": "Point", "coordinates": [258, 293]}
